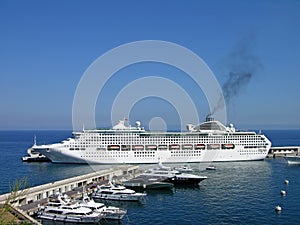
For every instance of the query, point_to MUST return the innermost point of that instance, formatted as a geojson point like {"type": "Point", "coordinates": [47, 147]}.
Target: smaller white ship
{"type": "Point", "coordinates": [34, 156]}
{"type": "Point", "coordinates": [117, 192]}
{"type": "Point", "coordinates": [293, 160]}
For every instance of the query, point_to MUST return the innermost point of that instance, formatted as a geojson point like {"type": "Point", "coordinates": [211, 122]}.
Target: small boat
{"type": "Point", "coordinates": [213, 146]}
{"type": "Point", "coordinates": [228, 146]}
{"type": "Point", "coordinates": [200, 146]}
{"type": "Point", "coordinates": [162, 147]}
{"type": "Point", "coordinates": [117, 192]}
{"type": "Point", "coordinates": [211, 167]}
{"type": "Point", "coordinates": [184, 168]}
{"type": "Point", "coordinates": [151, 147]}
{"type": "Point", "coordinates": [187, 146]}
{"type": "Point", "coordinates": [137, 147]}
{"type": "Point", "coordinates": [174, 147]}
{"type": "Point", "coordinates": [113, 147]}
{"type": "Point", "coordinates": [293, 160]}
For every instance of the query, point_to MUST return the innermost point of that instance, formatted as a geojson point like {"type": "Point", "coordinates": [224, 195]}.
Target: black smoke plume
{"type": "Point", "coordinates": [241, 65]}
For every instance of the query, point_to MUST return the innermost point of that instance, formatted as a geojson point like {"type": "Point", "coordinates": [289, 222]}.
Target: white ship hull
{"type": "Point", "coordinates": [135, 145]}
{"type": "Point", "coordinates": [59, 154]}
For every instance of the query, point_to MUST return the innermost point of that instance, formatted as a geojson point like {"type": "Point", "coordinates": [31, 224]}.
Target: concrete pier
{"type": "Point", "coordinates": [282, 151]}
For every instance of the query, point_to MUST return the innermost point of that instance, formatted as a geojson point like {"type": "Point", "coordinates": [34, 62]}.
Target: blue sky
{"type": "Point", "coordinates": [46, 46]}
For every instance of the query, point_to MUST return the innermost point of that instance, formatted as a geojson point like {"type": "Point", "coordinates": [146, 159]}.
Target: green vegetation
{"type": "Point", "coordinates": [7, 213]}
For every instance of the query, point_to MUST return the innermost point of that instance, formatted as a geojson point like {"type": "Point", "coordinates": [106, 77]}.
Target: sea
{"type": "Point", "coordinates": [235, 193]}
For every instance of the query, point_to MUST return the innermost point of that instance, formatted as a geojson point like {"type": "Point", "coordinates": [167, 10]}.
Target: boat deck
{"type": "Point", "coordinates": [144, 183]}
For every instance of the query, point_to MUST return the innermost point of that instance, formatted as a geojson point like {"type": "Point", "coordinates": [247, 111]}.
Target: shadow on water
{"type": "Point", "coordinates": [122, 204]}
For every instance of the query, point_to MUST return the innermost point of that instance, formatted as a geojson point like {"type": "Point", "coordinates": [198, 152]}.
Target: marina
{"type": "Point", "coordinates": [30, 199]}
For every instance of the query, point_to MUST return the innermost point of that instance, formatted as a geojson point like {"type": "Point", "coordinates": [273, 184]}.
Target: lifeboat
{"type": "Point", "coordinates": [213, 146]}
{"type": "Point", "coordinates": [137, 147]}
{"type": "Point", "coordinates": [113, 147]}
{"type": "Point", "coordinates": [227, 146]}
{"type": "Point", "coordinates": [151, 147]}
{"type": "Point", "coordinates": [162, 147]}
{"type": "Point", "coordinates": [125, 147]}
{"type": "Point", "coordinates": [187, 146]}
{"type": "Point", "coordinates": [174, 147]}
{"type": "Point", "coordinates": [199, 146]}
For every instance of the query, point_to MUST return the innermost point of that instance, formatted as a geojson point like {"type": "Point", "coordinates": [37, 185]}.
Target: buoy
{"type": "Point", "coordinates": [286, 182]}
{"type": "Point", "coordinates": [278, 208]}
{"type": "Point", "coordinates": [283, 192]}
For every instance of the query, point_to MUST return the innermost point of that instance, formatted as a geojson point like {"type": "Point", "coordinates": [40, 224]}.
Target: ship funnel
{"type": "Point", "coordinates": [209, 118]}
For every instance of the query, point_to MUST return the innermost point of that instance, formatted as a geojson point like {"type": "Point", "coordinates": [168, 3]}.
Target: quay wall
{"type": "Point", "coordinates": [282, 151]}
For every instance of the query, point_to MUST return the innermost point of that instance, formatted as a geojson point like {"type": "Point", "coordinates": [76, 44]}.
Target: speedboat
{"type": "Point", "coordinates": [117, 192]}
{"type": "Point", "coordinates": [107, 212]}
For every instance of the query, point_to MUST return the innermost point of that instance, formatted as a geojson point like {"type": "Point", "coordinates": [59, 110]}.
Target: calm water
{"type": "Point", "coordinates": [236, 193]}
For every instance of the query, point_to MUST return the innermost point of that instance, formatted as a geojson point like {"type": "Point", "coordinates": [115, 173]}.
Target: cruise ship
{"type": "Point", "coordinates": [207, 142]}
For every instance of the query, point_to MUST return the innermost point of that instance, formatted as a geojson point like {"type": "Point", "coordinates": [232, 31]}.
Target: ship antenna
{"type": "Point", "coordinates": [82, 127]}
{"type": "Point", "coordinates": [34, 140]}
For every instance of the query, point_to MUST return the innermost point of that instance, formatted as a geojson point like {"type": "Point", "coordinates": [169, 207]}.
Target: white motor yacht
{"type": "Point", "coordinates": [69, 213]}
{"type": "Point", "coordinates": [117, 192]}
{"type": "Point", "coordinates": [107, 212]}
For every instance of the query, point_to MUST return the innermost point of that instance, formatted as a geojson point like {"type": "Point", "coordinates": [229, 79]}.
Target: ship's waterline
{"type": "Point", "coordinates": [209, 141]}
